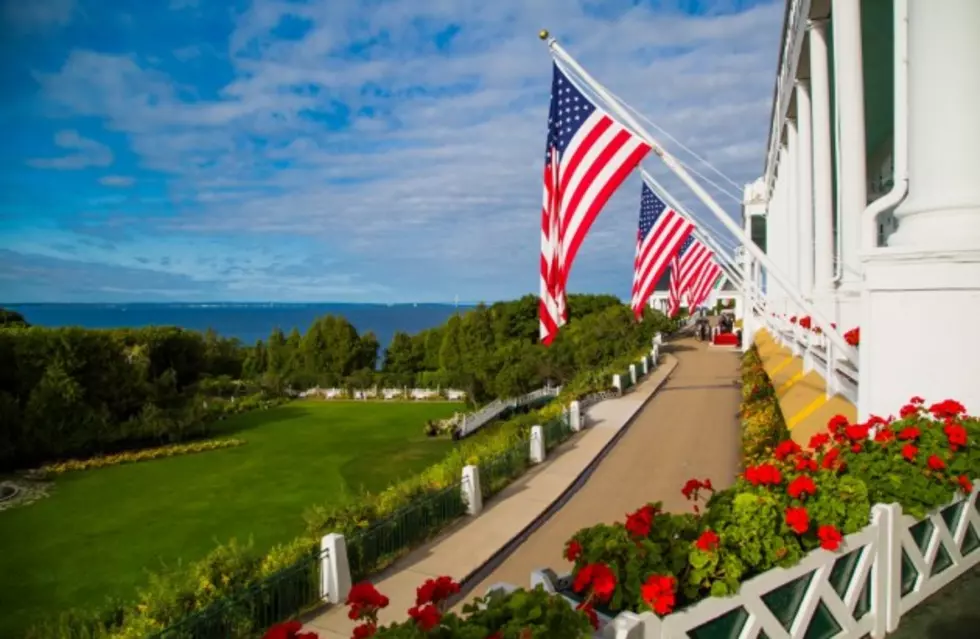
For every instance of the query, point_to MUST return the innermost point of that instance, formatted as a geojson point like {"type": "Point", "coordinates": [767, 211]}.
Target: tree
{"type": "Point", "coordinates": [451, 350]}
{"type": "Point", "coordinates": [368, 352]}
{"type": "Point", "coordinates": [11, 319]}
{"type": "Point", "coordinates": [403, 359]}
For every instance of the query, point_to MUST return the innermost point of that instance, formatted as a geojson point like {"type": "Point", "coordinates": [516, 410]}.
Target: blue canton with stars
{"type": "Point", "coordinates": [651, 208]}
{"type": "Point", "coordinates": [569, 109]}
{"type": "Point", "coordinates": [686, 245]}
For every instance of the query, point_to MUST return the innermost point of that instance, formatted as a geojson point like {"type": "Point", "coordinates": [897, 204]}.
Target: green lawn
{"type": "Point", "coordinates": [101, 529]}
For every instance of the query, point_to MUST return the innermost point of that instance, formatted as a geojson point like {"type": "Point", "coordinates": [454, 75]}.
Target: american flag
{"type": "Point", "coordinates": [685, 269]}
{"type": "Point", "coordinates": [588, 156]}
{"type": "Point", "coordinates": [706, 282]}
{"type": "Point", "coordinates": [662, 231]}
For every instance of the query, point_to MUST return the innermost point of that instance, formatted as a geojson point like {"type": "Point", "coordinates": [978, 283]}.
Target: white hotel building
{"type": "Point", "coordinates": [870, 199]}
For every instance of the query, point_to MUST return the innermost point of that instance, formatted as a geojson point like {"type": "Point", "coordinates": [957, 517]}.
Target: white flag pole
{"type": "Point", "coordinates": [702, 234]}
{"type": "Point", "coordinates": [562, 56]}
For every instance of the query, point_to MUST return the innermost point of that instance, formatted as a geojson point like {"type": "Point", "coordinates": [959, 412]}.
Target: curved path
{"type": "Point", "coordinates": [689, 429]}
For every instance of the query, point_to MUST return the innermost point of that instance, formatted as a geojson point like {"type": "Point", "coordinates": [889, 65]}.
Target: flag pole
{"type": "Point", "coordinates": [743, 284]}
{"type": "Point", "coordinates": [849, 352]}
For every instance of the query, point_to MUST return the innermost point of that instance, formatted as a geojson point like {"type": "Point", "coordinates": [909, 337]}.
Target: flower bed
{"type": "Point", "coordinates": [139, 455]}
{"type": "Point", "coordinates": [798, 512]}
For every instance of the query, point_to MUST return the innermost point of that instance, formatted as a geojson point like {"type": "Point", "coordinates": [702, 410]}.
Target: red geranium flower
{"type": "Point", "coordinates": [956, 435]}
{"type": "Point", "coordinates": [288, 630]}
{"type": "Point", "coordinates": [965, 484]}
{"type": "Point", "coordinates": [909, 433]}
{"type": "Point", "coordinates": [853, 336]}
{"type": "Point", "coordinates": [792, 320]}
{"type": "Point", "coordinates": [659, 592]}
{"type": "Point", "coordinates": [884, 435]}
{"type": "Point", "coordinates": [908, 411]}
{"type": "Point", "coordinates": [435, 590]}
{"type": "Point", "coordinates": [830, 537]}
{"type": "Point", "coordinates": [589, 611]}
{"type": "Point", "coordinates": [917, 400]}
{"type": "Point", "coordinates": [857, 432]}
{"type": "Point", "coordinates": [765, 474]}
{"type": "Point", "coordinates": [830, 458]}
{"type": "Point", "coordinates": [640, 522]}
{"type": "Point", "coordinates": [836, 423]}
{"type": "Point", "coordinates": [909, 452]}
{"type": "Point", "coordinates": [572, 550]}
{"type": "Point", "coordinates": [819, 440]}
{"type": "Point", "coordinates": [935, 463]}
{"type": "Point", "coordinates": [426, 617]}
{"type": "Point", "coordinates": [786, 448]}
{"type": "Point", "coordinates": [364, 631]}
{"type": "Point", "coordinates": [798, 520]}
{"type": "Point", "coordinates": [800, 486]}
{"type": "Point", "coordinates": [707, 541]}
{"type": "Point", "coordinates": [364, 600]}
{"type": "Point", "coordinates": [804, 464]}
{"type": "Point", "coordinates": [805, 322]}
{"type": "Point", "coordinates": [947, 408]}
{"type": "Point", "coordinates": [599, 577]}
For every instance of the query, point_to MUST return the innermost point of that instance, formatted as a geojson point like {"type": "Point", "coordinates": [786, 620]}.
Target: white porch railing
{"type": "Point", "coordinates": [881, 573]}
{"type": "Point", "coordinates": [819, 354]}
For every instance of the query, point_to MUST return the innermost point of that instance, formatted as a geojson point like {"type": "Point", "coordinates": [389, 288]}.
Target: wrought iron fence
{"type": "Point", "coordinates": [556, 431]}
{"type": "Point", "coordinates": [625, 380]}
{"type": "Point", "coordinates": [376, 546]}
{"type": "Point", "coordinates": [498, 471]}
{"type": "Point", "coordinates": [266, 603]}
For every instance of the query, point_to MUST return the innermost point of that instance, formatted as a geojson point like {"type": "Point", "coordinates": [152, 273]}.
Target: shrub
{"type": "Point", "coordinates": [521, 613]}
{"type": "Point", "coordinates": [763, 425]}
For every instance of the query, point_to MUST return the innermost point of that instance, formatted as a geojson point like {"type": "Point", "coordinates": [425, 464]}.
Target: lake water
{"type": "Point", "coordinates": [247, 322]}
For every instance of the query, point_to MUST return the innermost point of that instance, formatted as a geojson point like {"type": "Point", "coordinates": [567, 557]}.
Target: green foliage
{"type": "Point", "coordinates": [490, 351]}
{"type": "Point", "coordinates": [74, 392]}
{"type": "Point", "coordinates": [9, 319]}
{"type": "Point", "coordinates": [763, 425]}
{"type": "Point", "coordinates": [792, 501]}
{"type": "Point", "coordinates": [521, 614]}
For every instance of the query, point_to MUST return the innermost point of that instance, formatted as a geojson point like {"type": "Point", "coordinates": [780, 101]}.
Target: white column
{"type": "Point", "coordinates": [943, 207]}
{"type": "Point", "coordinates": [929, 276]}
{"type": "Point", "coordinates": [792, 210]}
{"type": "Point", "coordinates": [851, 162]}
{"type": "Point", "coordinates": [805, 183]}
{"type": "Point", "coordinates": [823, 186]}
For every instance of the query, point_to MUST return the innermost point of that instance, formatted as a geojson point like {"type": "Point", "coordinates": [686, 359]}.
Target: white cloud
{"type": "Point", "coordinates": [85, 153]}
{"type": "Point", "coordinates": [39, 15]}
{"type": "Point", "coordinates": [442, 158]}
{"type": "Point", "coordinates": [116, 180]}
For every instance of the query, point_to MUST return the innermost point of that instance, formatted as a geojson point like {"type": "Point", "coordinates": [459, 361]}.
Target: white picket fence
{"type": "Point", "coordinates": [879, 574]}
{"type": "Point", "coordinates": [387, 393]}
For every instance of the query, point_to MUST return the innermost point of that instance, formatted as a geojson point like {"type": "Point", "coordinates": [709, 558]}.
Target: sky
{"type": "Point", "coordinates": [343, 150]}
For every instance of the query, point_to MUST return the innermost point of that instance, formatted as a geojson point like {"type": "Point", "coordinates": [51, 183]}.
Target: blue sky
{"type": "Point", "coordinates": [339, 150]}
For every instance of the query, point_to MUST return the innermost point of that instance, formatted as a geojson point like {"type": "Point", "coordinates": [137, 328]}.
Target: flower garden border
{"type": "Point", "coordinates": [881, 573]}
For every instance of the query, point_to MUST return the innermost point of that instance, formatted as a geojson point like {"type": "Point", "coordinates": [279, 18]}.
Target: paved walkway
{"type": "Point", "coordinates": [667, 435]}
{"type": "Point", "coordinates": [689, 429]}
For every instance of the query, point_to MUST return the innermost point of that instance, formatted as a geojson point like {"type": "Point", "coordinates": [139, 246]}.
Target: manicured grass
{"type": "Point", "coordinates": [101, 530]}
